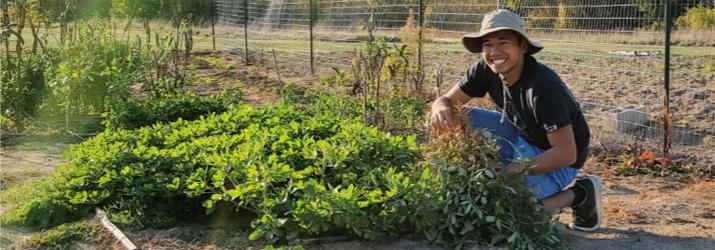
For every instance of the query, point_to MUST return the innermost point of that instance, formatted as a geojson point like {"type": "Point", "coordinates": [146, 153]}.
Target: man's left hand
{"type": "Point", "coordinates": [513, 169]}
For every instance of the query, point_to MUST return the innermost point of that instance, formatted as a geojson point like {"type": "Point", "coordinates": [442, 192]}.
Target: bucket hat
{"type": "Point", "coordinates": [495, 21]}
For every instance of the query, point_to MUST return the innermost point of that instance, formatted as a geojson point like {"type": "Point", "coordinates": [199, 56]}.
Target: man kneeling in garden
{"type": "Point", "coordinates": [545, 123]}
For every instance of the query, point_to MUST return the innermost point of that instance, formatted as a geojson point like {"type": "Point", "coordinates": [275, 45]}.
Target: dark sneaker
{"type": "Point", "coordinates": [587, 214]}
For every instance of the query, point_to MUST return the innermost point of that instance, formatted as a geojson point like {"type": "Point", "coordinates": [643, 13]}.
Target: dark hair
{"type": "Point", "coordinates": [521, 39]}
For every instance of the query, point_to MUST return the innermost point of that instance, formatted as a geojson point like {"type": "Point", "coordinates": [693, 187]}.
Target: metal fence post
{"type": "Point", "coordinates": [419, 42]}
{"type": "Point", "coordinates": [312, 20]}
{"type": "Point", "coordinates": [245, 28]}
{"type": "Point", "coordinates": [214, 13]}
{"type": "Point", "coordinates": [667, 124]}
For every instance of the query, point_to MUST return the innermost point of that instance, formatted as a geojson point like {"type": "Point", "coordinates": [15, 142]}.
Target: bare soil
{"type": "Point", "coordinates": [644, 212]}
{"type": "Point", "coordinates": [640, 212]}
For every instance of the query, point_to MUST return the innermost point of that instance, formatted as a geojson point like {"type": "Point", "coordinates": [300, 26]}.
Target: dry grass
{"type": "Point", "coordinates": [702, 189]}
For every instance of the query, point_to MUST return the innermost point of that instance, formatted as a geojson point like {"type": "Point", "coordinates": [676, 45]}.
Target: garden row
{"type": "Point", "coordinates": [298, 171]}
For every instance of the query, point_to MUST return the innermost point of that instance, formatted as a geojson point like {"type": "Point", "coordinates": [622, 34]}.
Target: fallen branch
{"type": "Point", "coordinates": [115, 230]}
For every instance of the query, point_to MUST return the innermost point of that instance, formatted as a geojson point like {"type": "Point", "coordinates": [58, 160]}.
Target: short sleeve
{"type": "Point", "coordinates": [551, 106]}
{"type": "Point", "coordinates": [473, 82]}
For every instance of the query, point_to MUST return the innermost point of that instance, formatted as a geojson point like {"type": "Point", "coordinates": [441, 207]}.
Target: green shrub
{"type": "Point", "coordinates": [344, 107]}
{"type": "Point", "coordinates": [133, 113]}
{"type": "Point", "coordinates": [301, 173]}
{"type": "Point", "coordinates": [698, 18]}
{"type": "Point", "coordinates": [403, 113]}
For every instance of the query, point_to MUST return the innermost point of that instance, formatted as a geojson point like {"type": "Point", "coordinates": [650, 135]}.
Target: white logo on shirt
{"type": "Point", "coordinates": [551, 128]}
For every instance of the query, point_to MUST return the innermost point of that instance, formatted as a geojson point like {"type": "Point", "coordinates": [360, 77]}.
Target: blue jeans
{"type": "Point", "coordinates": [512, 147]}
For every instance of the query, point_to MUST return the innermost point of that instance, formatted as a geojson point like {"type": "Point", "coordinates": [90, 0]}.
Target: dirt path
{"type": "Point", "coordinates": [642, 212]}
{"type": "Point", "coordinates": [20, 166]}
{"type": "Point", "coordinates": [28, 162]}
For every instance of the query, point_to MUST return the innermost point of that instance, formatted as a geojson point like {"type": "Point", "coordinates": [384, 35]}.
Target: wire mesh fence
{"type": "Point", "coordinates": [611, 53]}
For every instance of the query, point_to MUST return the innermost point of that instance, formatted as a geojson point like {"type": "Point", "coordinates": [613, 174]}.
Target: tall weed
{"type": "Point", "coordinates": [92, 71]}
{"type": "Point", "coordinates": [23, 87]}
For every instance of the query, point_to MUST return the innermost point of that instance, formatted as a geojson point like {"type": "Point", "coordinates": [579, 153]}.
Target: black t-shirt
{"type": "Point", "coordinates": [537, 104]}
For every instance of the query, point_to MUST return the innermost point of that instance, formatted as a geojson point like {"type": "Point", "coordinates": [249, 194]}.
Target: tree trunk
{"type": "Point", "coordinates": [5, 38]}
{"type": "Point", "coordinates": [213, 34]}
{"type": "Point", "coordinates": [189, 42]}
{"type": "Point", "coordinates": [21, 15]}
{"type": "Point", "coordinates": [63, 32]}
{"type": "Point", "coordinates": [37, 42]}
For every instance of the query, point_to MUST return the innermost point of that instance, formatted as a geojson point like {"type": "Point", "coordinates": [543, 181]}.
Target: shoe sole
{"type": "Point", "coordinates": [598, 188]}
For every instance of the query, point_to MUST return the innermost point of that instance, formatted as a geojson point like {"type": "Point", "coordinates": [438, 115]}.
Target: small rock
{"type": "Point", "coordinates": [702, 95]}
{"type": "Point", "coordinates": [706, 215]}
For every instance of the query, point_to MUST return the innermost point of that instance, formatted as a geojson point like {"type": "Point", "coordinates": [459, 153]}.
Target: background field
{"type": "Point", "coordinates": [610, 53]}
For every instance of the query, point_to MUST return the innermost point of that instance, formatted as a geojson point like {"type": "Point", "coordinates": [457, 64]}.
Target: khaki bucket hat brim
{"type": "Point", "coordinates": [496, 21]}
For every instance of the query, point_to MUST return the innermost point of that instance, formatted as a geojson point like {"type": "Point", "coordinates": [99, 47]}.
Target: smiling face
{"type": "Point", "coordinates": [504, 53]}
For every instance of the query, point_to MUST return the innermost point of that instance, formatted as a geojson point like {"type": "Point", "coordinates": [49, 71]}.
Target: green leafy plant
{"type": "Point", "coordinates": [345, 107]}
{"type": "Point", "coordinates": [404, 113]}
{"type": "Point", "coordinates": [301, 173]}
{"type": "Point", "coordinates": [339, 79]}
{"type": "Point", "coordinates": [134, 113]}
{"type": "Point", "coordinates": [93, 71]}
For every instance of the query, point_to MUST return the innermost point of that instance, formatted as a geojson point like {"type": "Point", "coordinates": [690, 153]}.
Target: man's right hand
{"type": "Point", "coordinates": [442, 117]}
